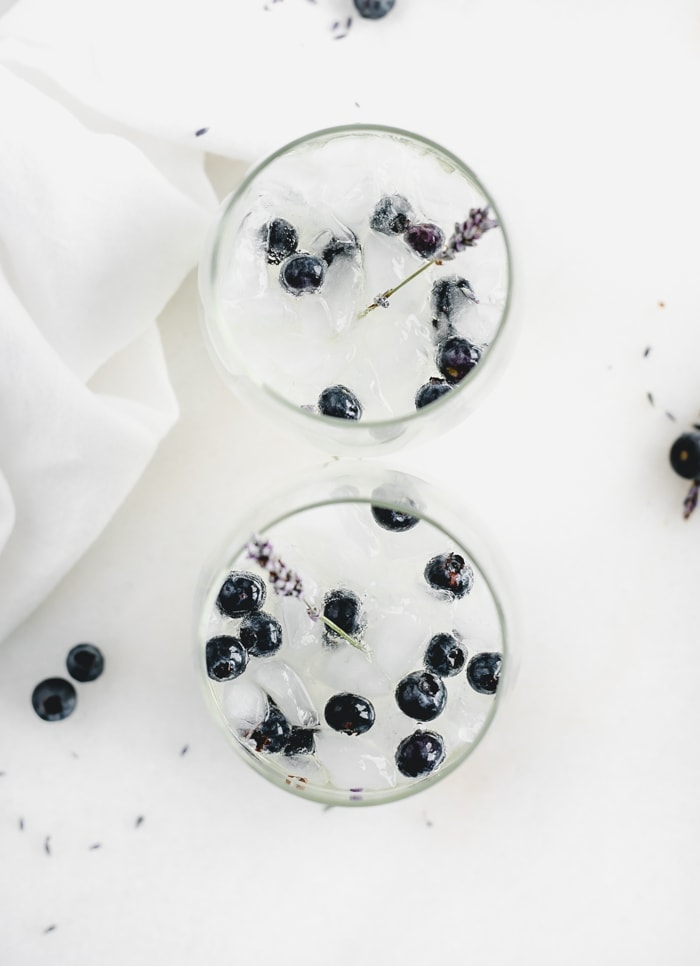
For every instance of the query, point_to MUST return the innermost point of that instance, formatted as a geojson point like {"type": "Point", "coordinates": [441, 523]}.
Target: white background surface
{"type": "Point", "coordinates": [571, 836]}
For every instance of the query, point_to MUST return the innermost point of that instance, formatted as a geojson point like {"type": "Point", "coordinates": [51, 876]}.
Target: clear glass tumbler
{"type": "Point", "coordinates": [351, 639]}
{"type": "Point", "coordinates": [356, 286]}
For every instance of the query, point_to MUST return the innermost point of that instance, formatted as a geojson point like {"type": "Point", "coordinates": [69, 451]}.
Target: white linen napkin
{"type": "Point", "coordinates": [94, 240]}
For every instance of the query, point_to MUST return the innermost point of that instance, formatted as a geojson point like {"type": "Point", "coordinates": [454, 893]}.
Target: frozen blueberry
{"type": "Point", "coordinates": [241, 594]}
{"type": "Point", "coordinates": [273, 732]}
{"type": "Point", "coordinates": [350, 714]}
{"type": "Point", "coordinates": [456, 357]}
{"type": "Point", "coordinates": [397, 520]}
{"type": "Point", "coordinates": [302, 274]}
{"type": "Point", "coordinates": [339, 248]}
{"type": "Point", "coordinates": [300, 742]}
{"type": "Point", "coordinates": [344, 608]}
{"type": "Point", "coordinates": [484, 671]}
{"type": "Point", "coordinates": [54, 699]}
{"type": "Point", "coordinates": [445, 655]}
{"type": "Point", "coordinates": [685, 456]}
{"type": "Point", "coordinates": [85, 662]}
{"type": "Point", "coordinates": [392, 215]}
{"type": "Point", "coordinates": [261, 634]}
{"type": "Point", "coordinates": [374, 9]}
{"type": "Point", "coordinates": [226, 657]}
{"type": "Point", "coordinates": [280, 240]}
{"type": "Point", "coordinates": [420, 754]}
{"type": "Point", "coordinates": [339, 402]}
{"type": "Point", "coordinates": [430, 391]}
{"type": "Point", "coordinates": [448, 297]}
{"type": "Point", "coordinates": [421, 695]}
{"type": "Point", "coordinates": [425, 239]}
{"type": "Point", "coordinates": [450, 574]}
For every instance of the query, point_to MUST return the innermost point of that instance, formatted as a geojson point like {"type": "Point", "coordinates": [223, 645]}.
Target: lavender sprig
{"type": "Point", "coordinates": [288, 583]}
{"type": "Point", "coordinates": [466, 235]}
{"type": "Point", "coordinates": [691, 500]}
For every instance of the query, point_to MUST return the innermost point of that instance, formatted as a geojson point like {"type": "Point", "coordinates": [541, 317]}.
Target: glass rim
{"type": "Point", "coordinates": [296, 492]}
{"type": "Point", "coordinates": [208, 272]}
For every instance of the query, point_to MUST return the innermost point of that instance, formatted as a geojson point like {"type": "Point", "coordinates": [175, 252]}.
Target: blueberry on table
{"type": "Point", "coordinates": [392, 215]}
{"type": "Point", "coordinates": [302, 274]}
{"type": "Point", "coordinates": [54, 699]}
{"type": "Point", "coordinates": [450, 574]}
{"type": "Point", "coordinates": [339, 402]}
{"type": "Point", "coordinates": [273, 732]}
{"type": "Point", "coordinates": [420, 754]}
{"type": "Point", "coordinates": [421, 695]}
{"type": "Point", "coordinates": [456, 357]}
{"type": "Point", "coordinates": [431, 390]}
{"type": "Point", "coordinates": [241, 594]}
{"type": "Point", "coordinates": [445, 655]}
{"type": "Point", "coordinates": [280, 240]}
{"type": "Point", "coordinates": [348, 713]}
{"type": "Point", "coordinates": [225, 657]}
{"type": "Point", "coordinates": [300, 742]}
{"type": "Point", "coordinates": [484, 671]}
{"type": "Point", "coordinates": [374, 9]}
{"type": "Point", "coordinates": [261, 634]}
{"type": "Point", "coordinates": [685, 456]}
{"type": "Point", "coordinates": [85, 662]}
{"type": "Point", "coordinates": [396, 520]}
{"type": "Point", "coordinates": [343, 607]}
{"type": "Point", "coordinates": [425, 239]}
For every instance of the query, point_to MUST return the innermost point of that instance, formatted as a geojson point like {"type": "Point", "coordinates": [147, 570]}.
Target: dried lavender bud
{"type": "Point", "coordinates": [468, 233]}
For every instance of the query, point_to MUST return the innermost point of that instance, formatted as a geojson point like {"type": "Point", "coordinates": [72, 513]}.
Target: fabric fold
{"type": "Point", "coordinates": [94, 241]}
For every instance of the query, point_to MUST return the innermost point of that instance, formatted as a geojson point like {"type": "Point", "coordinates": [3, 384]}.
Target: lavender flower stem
{"type": "Point", "coordinates": [390, 291]}
{"type": "Point", "coordinates": [287, 583]}
{"type": "Point", "coordinates": [316, 615]}
{"type": "Point", "coordinates": [465, 235]}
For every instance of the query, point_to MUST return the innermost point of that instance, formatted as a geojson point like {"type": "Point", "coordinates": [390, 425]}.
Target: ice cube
{"type": "Point", "coordinates": [243, 704]}
{"type": "Point", "coordinates": [345, 668]}
{"type": "Point", "coordinates": [397, 643]}
{"type": "Point", "coordinates": [287, 690]}
{"type": "Point", "coordinates": [354, 762]}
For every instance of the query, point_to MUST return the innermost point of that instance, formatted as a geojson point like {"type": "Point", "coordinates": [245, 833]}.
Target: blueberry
{"type": "Point", "coordinates": [430, 391]}
{"type": "Point", "coordinates": [85, 662]}
{"type": "Point", "coordinates": [685, 456]}
{"type": "Point", "coordinates": [226, 657]}
{"type": "Point", "coordinates": [54, 699]}
{"type": "Point", "coordinates": [374, 9]}
{"type": "Point", "coordinates": [449, 573]}
{"type": "Point", "coordinates": [302, 274]}
{"type": "Point", "coordinates": [241, 594]}
{"type": "Point", "coordinates": [448, 297]}
{"type": "Point", "coordinates": [300, 742]}
{"type": "Point", "coordinates": [280, 240]}
{"type": "Point", "coordinates": [445, 655]}
{"type": "Point", "coordinates": [456, 357]}
{"type": "Point", "coordinates": [421, 695]}
{"type": "Point", "coordinates": [261, 634]}
{"type": "Point", "coordinates": [339, 248]}
{"type": "Point", "coordinates": [350, 714]}
{"type": "Point", "coordinates": [392, 215]}
{"type": "Point", "coordinates": [425, 239]}
{"type": "Point", "coordinates": [273, 732]}
{"type": "Point", "coordinates": [344, 608]}
{"type": "Point", "coordinates": [397, 520]}
{"type": "Point", "coordinates": [484, 671]}
{"type": "Point", "coordinates": [420, 754]}
{"type": "Point", "coordinates": [339, 402]}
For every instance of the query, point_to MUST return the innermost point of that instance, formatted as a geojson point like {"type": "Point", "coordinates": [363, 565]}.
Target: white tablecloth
{"type": "Point", "coordinates": [571, 835]}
